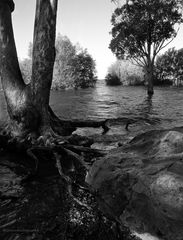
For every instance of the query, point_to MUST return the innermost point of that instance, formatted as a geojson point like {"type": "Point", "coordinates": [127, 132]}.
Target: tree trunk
{"type": "Point", "coordinates": [149, 78]}
{"type": "Point", "coordinates": [16, 92]}
{"type": "Point", "coordinates": [28, 105]}
{"type": "Point", "coordinates": [43, 55]}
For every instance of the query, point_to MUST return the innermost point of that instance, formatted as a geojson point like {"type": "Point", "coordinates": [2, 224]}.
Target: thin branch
{"type": "Point", "coordinates": [165, 45]}
{"type": "Point", "coordinates": [145, 62]}
{"type": "Point", "coordinates": [161, 47]}
{"type": "Point", "coordinates": [144, 50]}
{"type": "Point", "coordinates": [139, 61]}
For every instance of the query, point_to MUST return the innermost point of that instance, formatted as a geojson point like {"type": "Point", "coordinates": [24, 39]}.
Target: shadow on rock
{"type": "Point", "coordinates": [141, 183]}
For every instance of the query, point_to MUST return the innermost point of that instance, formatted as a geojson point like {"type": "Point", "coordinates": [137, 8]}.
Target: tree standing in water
{"type": "Point", "coordinates": [141, 29]}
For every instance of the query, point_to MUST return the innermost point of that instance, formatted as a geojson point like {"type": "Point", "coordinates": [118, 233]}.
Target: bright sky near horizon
{"type": "Point", "coordinates": [83, 21]}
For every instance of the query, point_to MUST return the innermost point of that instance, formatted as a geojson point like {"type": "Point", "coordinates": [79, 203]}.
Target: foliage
{"type": "Point", "coordinates": [63, 68]}
{"type": "Point", "coordinates": [142, 23]}
{"type": "Point", "coordinates": [134, 80]}
{"type": "Point", "coordinates": [169, 67]}
{"type": "Point", "coordinates": [112, 80]}
{"type": "Point", "coordinates": [30, 49]}
{"type": "Point", "coordinates": [84, 70]}
{"type": "Point", "coordinates": [126, 72]}
{"type": "Point", "coordinates": [26, 65]}
{"type": "Point", "coordinates": [26, 69]}
{"type": "Point", "coordinates": [74, 67]}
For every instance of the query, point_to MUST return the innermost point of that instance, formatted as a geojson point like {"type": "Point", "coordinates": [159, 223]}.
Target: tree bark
{"type": "Point", "coordinates": [43, 55]}
{"type": "Point", "coordinates": [11, 77]}
{"type": "Point", "coordinates": [15, 91]}
{"type": "Point", "coordinates": [149, 78]}
{"type": "Point", "coordinates": [28, 105]}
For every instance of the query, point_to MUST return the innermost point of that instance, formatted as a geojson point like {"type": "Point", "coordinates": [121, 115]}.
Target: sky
{"type": "Point", "coordinates": [83, 21]}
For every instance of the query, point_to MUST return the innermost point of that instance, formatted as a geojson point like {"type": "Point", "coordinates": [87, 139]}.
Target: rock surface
{"type": "Point", "coordinates": [141, 184]}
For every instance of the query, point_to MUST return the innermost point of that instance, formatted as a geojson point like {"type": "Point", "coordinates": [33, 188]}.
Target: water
{"type": "Point", "coordinates": [164, 110]}
{"type": "Point", "coordinates": [103, 102]}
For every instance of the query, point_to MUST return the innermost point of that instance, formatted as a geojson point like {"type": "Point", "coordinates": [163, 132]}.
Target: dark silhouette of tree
{"type": "Point", "coordinates": [141, 29]}
{"type": "Point", "coordinates": [84, 70]}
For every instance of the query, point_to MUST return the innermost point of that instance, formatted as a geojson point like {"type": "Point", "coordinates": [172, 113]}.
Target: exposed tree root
{"type": "Point", "coordinates": [127, 121]}
{"type": "Point", "coordinates": [58, 151]}
{"type": "Point", "coordinates": [76, 159]}
{"type": "Point", "coordinates": [68, 126]}
{"type": "Point", "coordinates": [81, 149]}
{"type": "Point", "coordinates": [68, 180]}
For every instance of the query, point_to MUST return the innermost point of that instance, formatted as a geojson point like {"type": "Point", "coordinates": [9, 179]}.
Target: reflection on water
{"type": "Point", "coordinates": [105, 102]}
{"type": "Point", "coordinates": [146, 107]}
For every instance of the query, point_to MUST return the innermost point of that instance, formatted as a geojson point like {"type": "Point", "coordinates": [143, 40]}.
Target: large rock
{"type": "Point", "coordinates": [141, 184]}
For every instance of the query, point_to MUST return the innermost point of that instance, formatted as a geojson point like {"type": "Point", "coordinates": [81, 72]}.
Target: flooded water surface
{"type": "Point", "coordinates": [165, 109]}
{"type": "Point", "coordinates": [104, 102]}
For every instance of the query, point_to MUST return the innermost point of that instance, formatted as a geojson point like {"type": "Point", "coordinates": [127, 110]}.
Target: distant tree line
{"type": "Point", "coordinates": [123, 72]}
{"type": "Point", "coordinates": [168, 70]}
{"type": "Point", "coordinates": [74, 67]}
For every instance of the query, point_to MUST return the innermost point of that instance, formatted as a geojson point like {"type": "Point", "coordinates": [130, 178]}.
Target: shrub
{"type": "Point", "coordinates": [125, 73]}
{"type": "Point", "coordinates": [84, 70]}
{"type": "Point", "coordinates": [134, 80]}
{"type": "Point", "coordinates": [112, 80]}
{"type": "Point", "coordinates": [74, 66]}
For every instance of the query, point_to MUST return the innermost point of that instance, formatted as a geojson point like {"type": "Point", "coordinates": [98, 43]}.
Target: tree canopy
{"type": "Point", "coordinates": [143, 27]}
